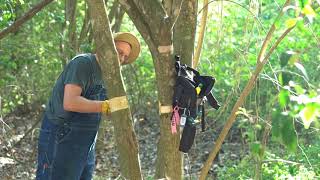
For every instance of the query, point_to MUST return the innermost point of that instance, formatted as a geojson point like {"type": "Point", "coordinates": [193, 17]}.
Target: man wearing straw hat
{"type": "Point", "coordinates": [71, 120]}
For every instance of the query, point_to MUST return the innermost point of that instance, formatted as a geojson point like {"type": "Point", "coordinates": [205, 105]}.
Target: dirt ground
{"type": "Point", "coordinates": [18, 160]}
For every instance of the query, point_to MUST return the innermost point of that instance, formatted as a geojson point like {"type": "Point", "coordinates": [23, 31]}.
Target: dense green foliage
{"type": "Point", "coordinates": [286, 95]}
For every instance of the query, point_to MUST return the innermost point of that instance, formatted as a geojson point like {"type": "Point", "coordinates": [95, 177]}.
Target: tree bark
{"type": "Point", "coordinates": [155, 22]}
{"type": "Point", "coordinates": [201, 33]}
{"type": "Point", "coordinates": [183, 43]}
{"type": "Point", "coordinates": [115, 15]}
{"type": "Point", "coordinates": [70, 17]}
{"type": "Point", "coordinates": [125, 137]}
{"type": "Point", "coordinates": [185, 31]}
{"type": "Point", "coordinates": [28, 15]}
{"type": "Point", "coordinates": [85, 28]}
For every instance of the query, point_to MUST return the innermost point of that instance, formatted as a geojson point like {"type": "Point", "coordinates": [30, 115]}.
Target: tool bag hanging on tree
{"type": "Point", "coordinates": [191, 91]}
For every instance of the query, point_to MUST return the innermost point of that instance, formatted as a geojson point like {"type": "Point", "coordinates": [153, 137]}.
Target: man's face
{"type": "Point", "coordinates": [124, 50]}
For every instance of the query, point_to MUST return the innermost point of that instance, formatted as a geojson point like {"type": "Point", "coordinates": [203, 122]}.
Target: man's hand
{"type": "Point", "coordinates": [114, 104]}
{"type": "Point", "coordinates": [118, 103]}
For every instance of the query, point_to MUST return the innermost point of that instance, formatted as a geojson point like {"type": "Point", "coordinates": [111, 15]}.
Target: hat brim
{"type": "Point", "coordinates": [133, 41]}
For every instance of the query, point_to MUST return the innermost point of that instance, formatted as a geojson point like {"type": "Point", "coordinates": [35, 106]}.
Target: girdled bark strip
{"type": "Point", "coordinates": [160, 42]}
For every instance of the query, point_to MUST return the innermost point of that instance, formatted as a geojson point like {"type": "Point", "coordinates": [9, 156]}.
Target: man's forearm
{"type": "Point", "coordinates": [81, 104]}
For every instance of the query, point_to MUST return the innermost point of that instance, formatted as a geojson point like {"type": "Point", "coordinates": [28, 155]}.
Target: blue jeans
{"type": "Point", "coordinates": [66, 151]}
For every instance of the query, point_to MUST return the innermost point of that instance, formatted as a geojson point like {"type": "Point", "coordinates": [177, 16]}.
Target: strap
{"type": "Point", "coordinates": [193, 70]}
{"type": "Point", "coordinates": [178, 66]}
{"type": "Point", "coordinates": [203, 121]}
{"type": "Point", "coordinates": [212, 101]}
{"type": "Point", "coordinates": [175, 120]}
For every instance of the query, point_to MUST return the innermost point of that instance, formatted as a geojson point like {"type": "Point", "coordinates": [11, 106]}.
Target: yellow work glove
{"type": "Point", "coordinates": [114, 104]}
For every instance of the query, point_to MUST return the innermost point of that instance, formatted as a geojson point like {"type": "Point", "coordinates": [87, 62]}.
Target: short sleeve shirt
{"type": "Point", "coordinates": [84, 71]}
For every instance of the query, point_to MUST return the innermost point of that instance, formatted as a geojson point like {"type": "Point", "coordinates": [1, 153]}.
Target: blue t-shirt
{"type": "Point", "coordinates": [82, 70]}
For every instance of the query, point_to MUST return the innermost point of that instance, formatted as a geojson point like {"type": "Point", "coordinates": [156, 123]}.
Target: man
{"type": "Point", "coordinates": [71, 121]}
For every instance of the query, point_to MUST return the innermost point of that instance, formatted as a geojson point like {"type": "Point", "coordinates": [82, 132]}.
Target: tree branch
{"type": "Point", "coordinates": [175, 12]}
{"type": "Point", "coordinates": [24, 18]}
{"type": "Point", "coordinates": [152, 11]}
{"type": "Point", "coordinates": [85, 27]}
{"type": "Point", "coordinates": [201, 34]}
{"type": "Point", "coordinates": [139, 21]}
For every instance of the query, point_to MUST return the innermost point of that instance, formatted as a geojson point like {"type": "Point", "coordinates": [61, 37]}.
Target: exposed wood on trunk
{"type": "Point", "coordinates": [156, 27]}
{"type": "Point", "coordinates": [27, 16]}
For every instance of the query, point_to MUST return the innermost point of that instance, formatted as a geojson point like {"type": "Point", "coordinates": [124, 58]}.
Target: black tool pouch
{"type": "Point", "coordinates": [188, 134]}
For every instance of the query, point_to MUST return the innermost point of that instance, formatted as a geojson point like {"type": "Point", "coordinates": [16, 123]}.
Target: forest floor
{"type": "Point", "coordinates": [18, 161]}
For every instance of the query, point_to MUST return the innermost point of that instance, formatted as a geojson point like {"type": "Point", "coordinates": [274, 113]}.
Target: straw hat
{"type": "Point", "coordinates": [133, 41]}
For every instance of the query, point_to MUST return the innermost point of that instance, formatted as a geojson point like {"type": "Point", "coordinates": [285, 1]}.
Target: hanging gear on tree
{"type": "Point", "coordinates": [191, 91]}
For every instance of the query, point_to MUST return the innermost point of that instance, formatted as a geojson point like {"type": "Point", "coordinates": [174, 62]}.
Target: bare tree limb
{"type": "Point", "coordinates": [70, 23]}
{"type": "Point", "coordinates": [140, 22]}
{"type": "Point", "coordinates": [28, 15]}
{"type": "Point", "coordinates": [151, 10]}
{"type": "Point", "coordinates": [201, 34]}
{"type": "Point", "coordinates": [85, 28]}
{"type": "Point", "coordinates": [118, 20]}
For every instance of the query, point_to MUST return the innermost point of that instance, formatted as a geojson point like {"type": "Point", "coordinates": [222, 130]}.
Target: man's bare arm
{"type": "Point", "coordinates": [73, 101]}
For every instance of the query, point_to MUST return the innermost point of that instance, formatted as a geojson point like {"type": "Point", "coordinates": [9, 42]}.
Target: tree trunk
{"type": "Point", "coordinates": [115, 15]}
{"type": "Point", "coordinates": [125, 137]}
{"type": "Point", "coordinates": [85, 28]}
{"type": "Point", "coordinates": [155, 21]}
{"type": "Point", "coordinates": [70, 17]}
{"type": "Point", "coordinates": [185, 31]}
{"type": "Point", "coordinates": [183, 42]}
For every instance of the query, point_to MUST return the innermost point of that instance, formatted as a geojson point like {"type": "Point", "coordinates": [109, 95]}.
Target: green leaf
{"type": "Point", "coordinates": [276, 126]}
{"type": "Point", "coordinates": [299, 89]}
{"type": "Point", "coordinates": [277, 23]}
{"type": "Point", "coordinates": [284, 58]}
{"type": "Point", "coordinates": [283, 130]}
{"type": "Point", "coordinates": [308, 11]}
{"type": "Point", "coordinates": [286, 77]}
{"type": "Point", "coordinates": [309, 114]}
{"type": "Point", "coordinates": [255, 148]}
{"type": "Point", "coordinates": [294, 58]}
{"type": "Point", "coordinates": [283, 98]}
{"type": "Point", "coordinates": [302, 3]}
{"type": "Point", "coordinates": [291, 22]}
{"type": "Point", "coordinates": [288, 134]}
{"type": "Point", "coordinates": [302, 69]}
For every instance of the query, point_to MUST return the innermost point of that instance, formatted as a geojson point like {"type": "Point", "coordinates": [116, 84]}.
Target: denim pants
{"type": "Point", "coordinates": [66, 151]}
